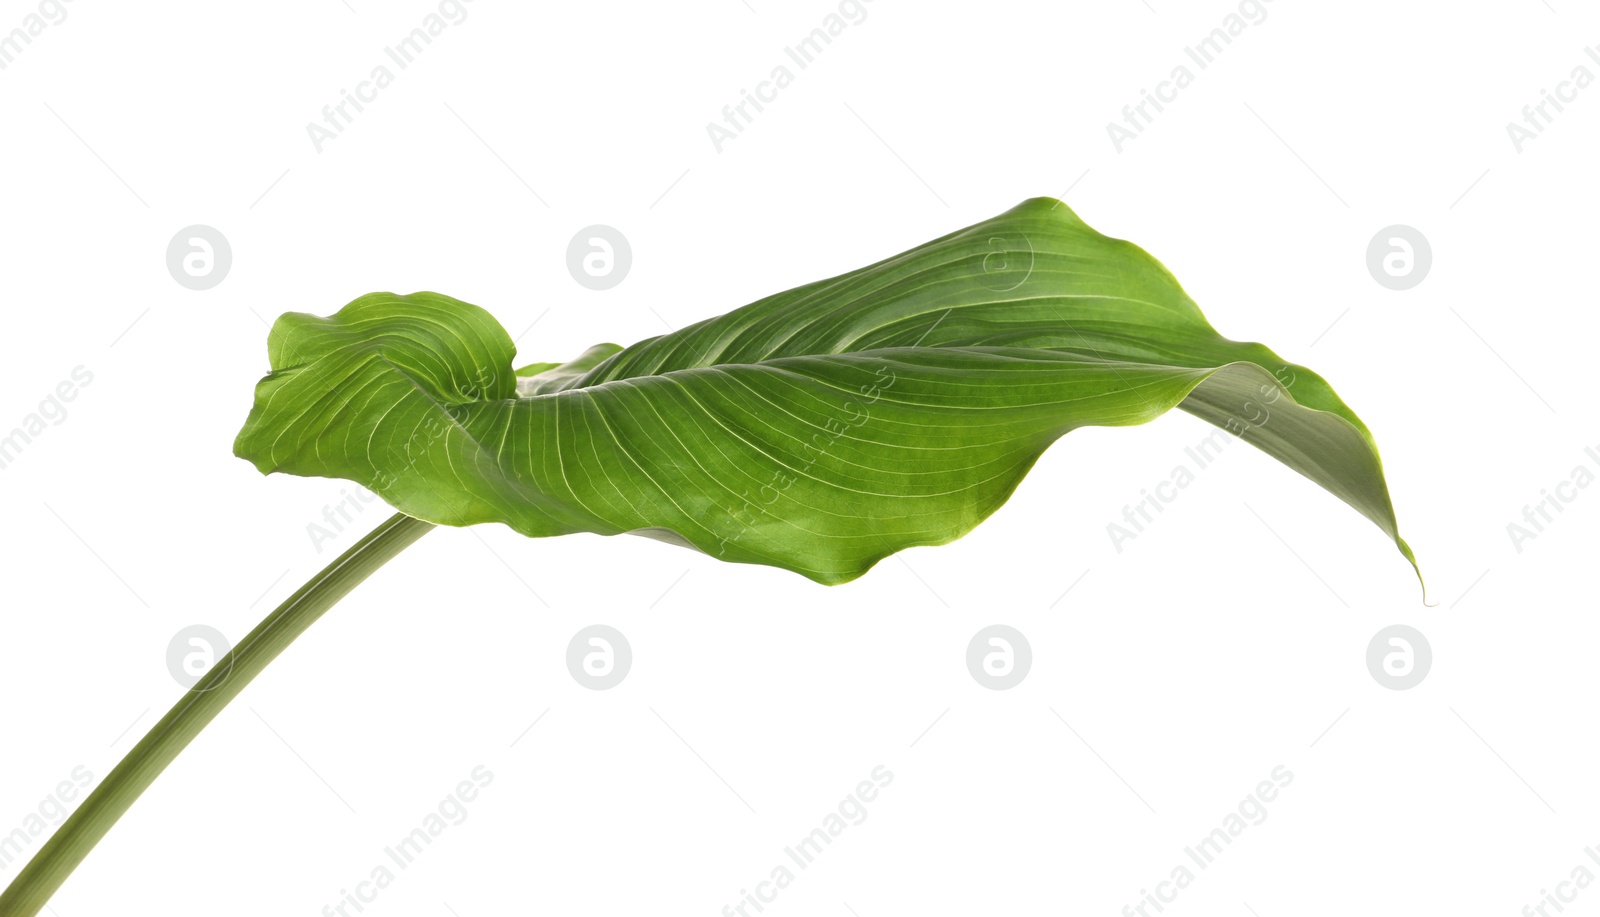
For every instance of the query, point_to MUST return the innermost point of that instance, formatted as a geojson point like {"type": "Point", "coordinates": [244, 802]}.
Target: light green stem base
{"type": "Point", "coordinates": [77, 836]}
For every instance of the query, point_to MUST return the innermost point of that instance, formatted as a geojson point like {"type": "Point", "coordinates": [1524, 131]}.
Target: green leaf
{"type": "Point", "coordinates": [818, 430]}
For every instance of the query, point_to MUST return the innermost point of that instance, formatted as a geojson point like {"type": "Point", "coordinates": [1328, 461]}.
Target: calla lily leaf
{"type": "Point", "coordinates": [818, 430]}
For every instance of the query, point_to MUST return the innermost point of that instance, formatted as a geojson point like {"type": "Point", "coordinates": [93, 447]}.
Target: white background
{"type": "Point", "coordinates": [1227, 639]}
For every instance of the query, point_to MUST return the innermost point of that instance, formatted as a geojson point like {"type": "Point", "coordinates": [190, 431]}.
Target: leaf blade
{"type": "Point", "coordinates": [819, 429]}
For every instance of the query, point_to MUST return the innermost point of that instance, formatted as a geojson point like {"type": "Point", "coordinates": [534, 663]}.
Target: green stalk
{"type": "Point", "coordinates": [60, 855]}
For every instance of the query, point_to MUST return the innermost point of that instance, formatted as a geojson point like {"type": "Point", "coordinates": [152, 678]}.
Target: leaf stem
{"type": "Point", "coordinates": [59, 856]}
